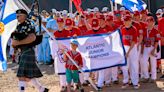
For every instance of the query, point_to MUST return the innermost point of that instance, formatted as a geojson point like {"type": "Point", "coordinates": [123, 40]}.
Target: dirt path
{"type": "Point", "coordinates": [8, 82]}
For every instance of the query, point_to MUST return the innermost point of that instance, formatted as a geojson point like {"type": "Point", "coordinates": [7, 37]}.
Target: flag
{"type": "Point", "coordinates": [77, 4]}
{"type": "Point", "coordinates": [8, 23]}
{"type": "Point", "coordinates": [132, 5]}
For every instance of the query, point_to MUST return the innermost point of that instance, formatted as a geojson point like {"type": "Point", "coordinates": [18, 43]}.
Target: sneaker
{"type": "Point", "coordinates": [116, 82]}
{"type": "Point", "coordinates": [85, 83]}
{"type": "Point", "coordinates": [152, 81]}
{"type": "Point", "coordinates": [136, 86]}
{"type": "Point", "coordinates": [46, 90]}
{"type": "Point", "coordinates": [162, 77]}
{"type": "Point", "coordinates": [125, 85]}
{"type": "Point", "coordinates": [81, 89]}
{"type": "Point", "coordinates": [145, 80]}
{"type": "Point", "coordinates": [99, 88]}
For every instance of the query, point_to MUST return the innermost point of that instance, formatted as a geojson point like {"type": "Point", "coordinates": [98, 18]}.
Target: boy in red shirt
{"type": "Point", "coordinates": [129, 38]}
{"type": "Point", "coordinates": [61, 33]}
{"type": "Point", "coordinates": [150, 41]}
{"type": "Point", "coordinates": [71, 69]}
{"type": "Point", "coordinates": [73, 31]}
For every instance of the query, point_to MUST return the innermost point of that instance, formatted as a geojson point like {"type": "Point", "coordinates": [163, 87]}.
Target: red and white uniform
{"type": "Point", "coordinates": [150, 38]}
{"type": "Point", "coordinates": [74, 32]}
{"type": "Point", "coordinates": [61, 34]}
{"type": "Point", "coordinates": [77, 58]}
{"type": "Point", "coordinates": [129, 36]}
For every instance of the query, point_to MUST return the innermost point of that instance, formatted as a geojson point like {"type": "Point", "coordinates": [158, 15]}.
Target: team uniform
{"type": "Point", "coordinates": [150, 38]}
{"type": "Point", "coordinates": [129, 35]}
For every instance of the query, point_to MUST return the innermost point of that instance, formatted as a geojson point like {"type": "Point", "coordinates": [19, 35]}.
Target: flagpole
{"type": "Point", "coordinates": [70, 6]}
{"type": "Point", "coordinates": [149, 5]}
{"type": "Point", "coordinates": [111, 4]}
{"type": "Point", "coordinates": [115, 8]}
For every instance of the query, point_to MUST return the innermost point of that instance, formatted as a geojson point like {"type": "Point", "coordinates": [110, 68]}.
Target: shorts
{"type": "Point", "coordinates": [72, 75]}
{"type": "Point", "coordinates": [162, 52]}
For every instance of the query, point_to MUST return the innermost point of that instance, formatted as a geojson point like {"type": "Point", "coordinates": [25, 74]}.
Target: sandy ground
{"type": "Point", "coordinates": [8, 82]}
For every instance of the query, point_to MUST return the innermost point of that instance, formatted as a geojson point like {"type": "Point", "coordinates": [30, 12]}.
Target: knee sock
{"type": "Point", "coordinates": [36, 84]}
{"type": "Point", "coordinates": [22, 85]}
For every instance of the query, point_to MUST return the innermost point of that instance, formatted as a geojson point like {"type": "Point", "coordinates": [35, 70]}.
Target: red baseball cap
{"type": "Point", "coordinates": [127, 18]}
{"type": "Point", "coordinates": [150, 19]}
{"type": "Point", "coordinates": [127, 12]}
{"type": "Point", "coordinates": [109, 18]}
{"type": "Point", "coordinates": [60, 20]}
{"type": "Point", "coordinates": [136, 13]}
{"type": "Point", "coordinates": [68, 22]}
{"type": "Point", "coordinates": [101, 16]}
{"type": "Point", "coordinates": [95, 22]}
{"type": "Point", "coordinates": [144, 12]}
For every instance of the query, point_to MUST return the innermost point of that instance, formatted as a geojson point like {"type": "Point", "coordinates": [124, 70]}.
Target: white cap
{"type": "Point", "coordinates": [71, 15]}
{"type": "Point", "coordinates": [122, 8]}
{"type": "Point", "coordinates": [53, 11]}
{"type": "Point", "coordinates": [64, 12]}
{"type": "Point", "coordinates": [159, 11]}
{"type": "Point", "coordinates": [89, 10]}
{"type": "Point", "coordinates": [96, 9]}
{"type": "Point", "coordinates": [105, 9]}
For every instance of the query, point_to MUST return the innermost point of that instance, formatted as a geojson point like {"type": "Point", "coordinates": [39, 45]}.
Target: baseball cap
{"type": "Point", "coordinates": [60, 20]}
{"type": "Point", "coordinates": [75, 42]}
{"type": "Point", "coordinates": [21, 11]}
{"type": "Point", "coordinates": [127, 18]}
{"type": "Point", "coordinates": [150, 18]}
{"type": "Point", "coordinates": [68, 22]}
{"type": "Point", "coordinates": [136, 13]}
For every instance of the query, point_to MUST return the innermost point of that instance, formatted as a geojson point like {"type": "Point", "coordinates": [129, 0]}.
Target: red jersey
{"type": "Point", "coordinates": [83, 29]}
{"type": "Point", "coordinates": [109, 28]}
{"type": "Point", "coordinates": [99, 31]}
{"type": "Point", "coordinates": [74, 31]}
{"type": "Point", "coordinates": [61, 34]}
{"type": "Point", "coordinates": [119, 23]}
{"type": "Point", "coordinates": [76, 56]}
{"type": "Point", "coordinates": [138, 27]}
{"type": "Point", "coordinates": [143, 25]}
{"type": "Point", "coordinates": [150, 37]}
{"type": "Point", "coordinates": [128, 35]}
{"type": "Point", "coordinates": [161, 29]}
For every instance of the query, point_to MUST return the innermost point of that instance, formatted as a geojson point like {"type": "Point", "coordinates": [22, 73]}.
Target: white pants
{"type": "Point", "coordinates": [132, 66]}
{"type": "Point", "coordinates": [62, 80]}
{"type": "Point", "coordinates": [101, 78]}
{"type": "Point", "coordinates": [145, 64]}
{"type": "Point", "coordinates": [111, 74]}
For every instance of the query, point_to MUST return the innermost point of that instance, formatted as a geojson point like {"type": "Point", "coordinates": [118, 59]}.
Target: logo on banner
{"type": "Point", "coordinates": [2, 27]}
{"type": "Point", "coordinates": [60, 53]}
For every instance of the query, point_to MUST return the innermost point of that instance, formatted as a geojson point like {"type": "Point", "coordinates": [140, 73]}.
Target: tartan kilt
{"type": "Point", "coordinates": [27, 65]}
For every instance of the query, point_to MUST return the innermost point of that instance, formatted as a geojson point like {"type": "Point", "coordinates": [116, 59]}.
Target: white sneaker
{"type": "Point", "coordinates": [125, 85]}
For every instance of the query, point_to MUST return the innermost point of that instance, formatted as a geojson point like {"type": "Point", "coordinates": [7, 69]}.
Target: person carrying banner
{"type": "Point", "coordinates": [150, 41]}
{"type": "Point", "coordinates": [22, 38]}
{"type": "Point", "coordinates": [129, 40]}
{"type": "Point", "coordinates": [72, 72]}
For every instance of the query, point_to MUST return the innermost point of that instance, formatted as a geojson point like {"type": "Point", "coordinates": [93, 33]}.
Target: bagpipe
{"type": "Point", "coordinates": [21, 35]}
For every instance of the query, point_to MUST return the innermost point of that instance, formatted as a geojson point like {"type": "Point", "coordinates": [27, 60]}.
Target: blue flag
{"type": "Point", "coordinates": [8, 23]}
{"type": "Point", "coordinates": [132, 5]}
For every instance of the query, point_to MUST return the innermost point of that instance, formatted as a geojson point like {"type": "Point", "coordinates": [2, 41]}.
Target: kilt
{"type": "Point", "coordinates": [162, 52]}
{"type": "Point", "coordinates": [27, 64]}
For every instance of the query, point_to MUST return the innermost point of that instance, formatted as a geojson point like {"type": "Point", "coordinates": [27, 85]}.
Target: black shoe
{"type": "Point", "coordinates": [162, 77]}
{"type": "Point", "coordinates": [99, 88]}
{"type": "Point", "coordinates": [46, 90]}
{"type": "Point", "coordinates": [116, 82]}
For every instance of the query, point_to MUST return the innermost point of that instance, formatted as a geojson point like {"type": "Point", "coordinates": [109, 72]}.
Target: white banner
{"type": "Point", "coordinates": [98, 51]}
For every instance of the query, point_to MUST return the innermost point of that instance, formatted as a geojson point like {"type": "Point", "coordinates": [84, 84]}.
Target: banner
{"type": "Point", "coordinates": [98, 51]}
